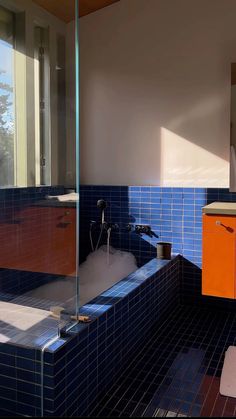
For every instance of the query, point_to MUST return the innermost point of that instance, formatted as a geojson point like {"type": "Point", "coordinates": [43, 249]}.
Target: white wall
{"type": "Point", "coordinates": [155, 92]}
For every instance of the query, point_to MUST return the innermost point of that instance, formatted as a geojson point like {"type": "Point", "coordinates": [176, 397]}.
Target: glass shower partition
{"type": "Point", "coordinates": [39, 189]}
{"type": "Point", "coordinates": [66, 306]}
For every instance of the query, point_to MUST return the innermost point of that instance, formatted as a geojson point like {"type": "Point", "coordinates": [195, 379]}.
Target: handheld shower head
{"type": "Point", "coordinates": [101, 203]}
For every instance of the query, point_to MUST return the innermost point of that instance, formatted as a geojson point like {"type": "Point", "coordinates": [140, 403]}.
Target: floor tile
{"type": "Point", "coordinates": [177, 373]}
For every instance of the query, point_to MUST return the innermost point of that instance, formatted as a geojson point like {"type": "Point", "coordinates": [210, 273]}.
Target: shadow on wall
{"type": "Point", "coordinates": [125, 206]}
{"type": "Point", "coordinates": [191, 289]}
{"type": "Point", "coordinates": [174, 214]}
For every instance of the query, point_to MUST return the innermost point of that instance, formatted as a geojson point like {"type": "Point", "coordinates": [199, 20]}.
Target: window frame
{"type": "Point", "coordinates": [27, 17]}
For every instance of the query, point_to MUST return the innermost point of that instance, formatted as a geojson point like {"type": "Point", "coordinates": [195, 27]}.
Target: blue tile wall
{"type": "Point", "coordinates": [175, 215]}
{"type": "Point", "coordinates": [81, 367]}
{"type": "Point", "coordinates": [86, 363]}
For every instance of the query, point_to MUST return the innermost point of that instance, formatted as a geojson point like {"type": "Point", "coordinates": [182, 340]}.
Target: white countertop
{"type": "Point", "coordinates": [224, 208]}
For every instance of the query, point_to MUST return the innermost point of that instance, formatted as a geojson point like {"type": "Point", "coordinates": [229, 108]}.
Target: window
{"type": "Point", "coordinates": [32, 99]}
{"type": "Point", "coordinates": [7, 105]}
{"type": "Point", "coordinates": [42, 107]}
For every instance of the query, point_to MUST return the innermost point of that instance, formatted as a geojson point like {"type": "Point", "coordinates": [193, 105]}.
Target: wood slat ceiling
{"type": "Point", "coordinates": [65, 9]}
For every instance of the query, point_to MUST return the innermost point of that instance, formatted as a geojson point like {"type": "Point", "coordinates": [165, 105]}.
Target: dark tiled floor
{"type": "Point", "coordinates": [178, 371]}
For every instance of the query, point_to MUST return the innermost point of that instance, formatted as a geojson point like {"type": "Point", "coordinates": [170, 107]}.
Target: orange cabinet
{"type": "Point", "coordinates": [62, 242]}
{"type": "Point", "coordinates": [40, 239]}
{"type": "Point", "coordinates": [219, 254]}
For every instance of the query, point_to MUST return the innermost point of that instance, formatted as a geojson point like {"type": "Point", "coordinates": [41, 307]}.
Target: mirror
{"type": "Point", "coordinates": [38, 217]}
{"type": "Point", "coordinates": [233, 130]}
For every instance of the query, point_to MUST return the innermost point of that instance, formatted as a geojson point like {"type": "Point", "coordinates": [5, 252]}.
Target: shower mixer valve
{"type": "Point", "coordinates": [105, 225]}
{"type": "Point", "coordinates": [109, 227]}
{"type": "Point", "coordinates": [142, 229]}
{"type": "Point", "coordinates": [116, 227]}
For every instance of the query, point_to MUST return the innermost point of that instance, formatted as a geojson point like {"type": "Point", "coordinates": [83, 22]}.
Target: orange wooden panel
{"type": "Point", "coordinates": [210, 224]}
{"type": "Point", "coordinates": [40, 239]}
{"type": "Point", "coordinates": [218, 265]}
{"type": "Point", "coordinates": [63, 242]}
{"type": "Point", "coordinates": [9, 236]}
{"type": "Point", "coordinates": [88, 6]}
{"type": "Point", "coordinates": [62, 9]}
{"type": "Point", "coordinates": [65, 9]}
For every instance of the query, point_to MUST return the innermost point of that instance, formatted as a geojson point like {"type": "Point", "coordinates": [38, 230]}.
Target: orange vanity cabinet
{"type": "Point", "coordinates": [219, 255]}
{"type": "Point", "coordinates": [40, 239]}
{"type": "Point", "coordinates": [48, 240]}
{"type": "Point", "coordinates": [62, 249]}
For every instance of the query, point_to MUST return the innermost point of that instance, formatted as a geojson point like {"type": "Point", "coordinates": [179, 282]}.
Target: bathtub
{"type": "Point", "coordinates": [62, 291]}
{"type": "Point", "coordinates": [72, 373]}
{"type": "Point", "coordinates": [96, 275]}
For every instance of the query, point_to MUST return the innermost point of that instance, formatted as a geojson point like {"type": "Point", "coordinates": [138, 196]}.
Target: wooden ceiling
{"type": "Point", "coordinates": [65, 9]}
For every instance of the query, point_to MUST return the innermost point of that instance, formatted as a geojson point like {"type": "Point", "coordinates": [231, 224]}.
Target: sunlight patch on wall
{"type": "Point", "coordinates": [185, 164]}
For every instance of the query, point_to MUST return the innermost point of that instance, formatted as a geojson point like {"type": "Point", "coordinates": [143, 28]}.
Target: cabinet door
{"type": "Point", "coordinates": [9, 238]}
{"type": "Point", "coordinates": [62, 252]}
{"type": "Point", "coordinates": [34, 239]}
{"type": "Point", "coordinates": [49, 240]}
{"type": "Point", "coordinates": [218, 269]}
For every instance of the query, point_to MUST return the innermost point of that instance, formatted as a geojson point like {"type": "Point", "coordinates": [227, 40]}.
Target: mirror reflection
{"type": "Point", "coordinates": [38, 191]}
{"type": "Point", "coordinates": [233, 129]}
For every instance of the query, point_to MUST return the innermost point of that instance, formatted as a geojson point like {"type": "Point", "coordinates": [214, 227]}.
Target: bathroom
{"type": "Point", "coordinates": [116, 136]}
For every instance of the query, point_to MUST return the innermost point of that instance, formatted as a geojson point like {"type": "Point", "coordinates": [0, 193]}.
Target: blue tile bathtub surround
{"type": "Point", "coordinates": [81, 367]}
{"type": "Point", "coordinates": [77, 373]}
{"type": "Point", "coordinates": [175, 215]}
{"type": "Point", "coordinates": [20, 381]}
